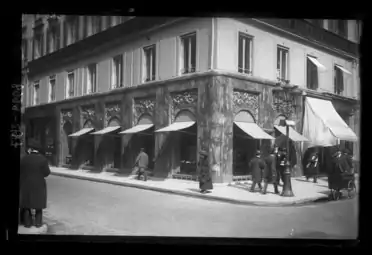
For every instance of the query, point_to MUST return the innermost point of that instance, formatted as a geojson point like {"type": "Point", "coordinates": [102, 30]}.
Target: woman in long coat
{"type": "Point", "coordinates": [205, 179]}
{"type": "Point", "coordinates": [312, 166]}
{"type": "Point", "coordinates": [257, 165]}
{"type": "Point", "coordinates": [33, 192]}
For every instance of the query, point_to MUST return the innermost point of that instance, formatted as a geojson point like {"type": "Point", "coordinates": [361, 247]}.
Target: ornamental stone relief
{"type": "Point", "coordinates": [245, 101]}
{"type": "Point", "coordinates": [142, 106]}
{"type": "Point", "coordinates": [112, 110]}
{"type": "Point", "coordinates": [283, 105]}
{"type": "Point", "coordinates": [88, 113]}
{"type": "Point", "coordinates": [184, 100]}
{"type": "Point", "coordinates": [66, 115]}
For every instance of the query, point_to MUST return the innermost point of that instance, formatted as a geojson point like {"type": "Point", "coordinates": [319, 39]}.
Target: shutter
{"type": "Point", "coordinates": [308, 73]}
{"type": "Point", "coordinates": [335, 80]}
{"type": "Point", "coordinates": [315, 77]}
{"type": "Point", "coordinates": [103, 69]}
{"type": "Point", "coordinates": [341, 80]}
{"type": "Point", "coordinates": [154, 63]}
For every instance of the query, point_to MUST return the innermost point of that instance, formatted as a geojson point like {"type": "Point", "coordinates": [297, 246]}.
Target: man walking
{"type": "Point", "coordinates": [205, 179]}
{"type": "Point", "coordinates": [142, 161]}
{"type": "Point", "coordinates": [312, 166]}
{"type": "Point", "coordinates": [270, 175]}
{"type": "Point", "coordinates": [281, 164]}
{"type": "Point", "coordinates": [33, 192]}
{"type": "Point", "coordinates": [257, 165]}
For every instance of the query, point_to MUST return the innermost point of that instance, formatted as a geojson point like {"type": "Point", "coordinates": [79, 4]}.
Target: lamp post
{"type": "Point", "coordinates": [288, 90]}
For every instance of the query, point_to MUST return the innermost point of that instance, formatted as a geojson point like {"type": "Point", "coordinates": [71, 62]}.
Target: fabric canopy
{"type": "Point", "coordinates": [293, 135]}
{"type": "Point", "coordinates": [343, 69]}
{"type": "Point", "coordinates": [317, 63]}
{"type": "Point", "coordinates": [106, 130]}
{"type": "Point", "coordinates": [253, 130]}
{"type": "Point", "coordinates": [137, 129]}
{"type": "Point", "coordinates": [323, 126]}
{"type": "Point", "coordinates": [177, 126]}
{"type": "Point", "coordinates": [82, 132]}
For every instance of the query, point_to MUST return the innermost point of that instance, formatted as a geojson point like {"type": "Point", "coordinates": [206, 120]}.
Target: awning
{"type": "Point", "coordinates": [253, 130]}
{"type": "Point", "coordinates": [137, 129]}
{"type": "Point", "coordinates": [82, 132]}
{"type": "Point", "coordinates": [323, 126]}
{"type": "Point", "coordinates": [293, 134]}
{"type": "Point", "coordinates": [177, 126]}
{"type": "Point", "coordinates": [343, 69]}
{"type": "Point", "coordinates": [317, 63]}
{"type": "Point", "coordinates": [106, 130]}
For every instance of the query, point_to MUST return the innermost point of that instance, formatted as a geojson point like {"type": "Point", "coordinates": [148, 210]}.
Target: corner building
{"type": "Point", "coordinates": [100, 88]}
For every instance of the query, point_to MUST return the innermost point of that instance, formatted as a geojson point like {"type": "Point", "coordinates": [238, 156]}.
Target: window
{"type": "Point", "coordinates": [88, 26]}
{"type": "Point", "coordinates": [52, 88]}
{"type": "Point", "coordinates": [188, 53]}
{"type": "Point", "coordinates": [312, 75]}
{"type": "Point", "coordinates": [338, 26]}
{"type": "Point", "coordinates": [72, 29]}
{"type": "Point", "coordinates": [38, 45]}
{"type": "Point", "coordinates": [96, 24]}
{"type": "Point", "coordinates": [91, 79]}
{"type": "Point", "coordinates": [117, 72]}
{"type": "Point", "coordinates": [245, 54]}
{"type": "Point", "coordinates": [339, 81]}
{"type": "Point", "coordinates": [70, 84]}
{"type": "Point", "coordinates": [149, 63]}
{"type": "Point", "coordinates": [282, 64]}
{"type": "Point", "coordinates": [36, 93]}
{"type": "Point", "coordinates": [53, 39]}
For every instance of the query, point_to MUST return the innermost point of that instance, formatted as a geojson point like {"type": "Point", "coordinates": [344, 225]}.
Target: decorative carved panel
{"type": "Point", "coordinates": [66, 115]}
{"type": "Point", "coordinates": [142, 106]}
{"type": "Point", "coordinates": [283, 105]}
{"type": "Point", "coordinates": [87, 113]}
{"type": "Point", "coordinates": [112, 110]}
{"type": "Point", "coordinates": [246, 101]}
{"type": "Point", "coordinates": [184, 100]}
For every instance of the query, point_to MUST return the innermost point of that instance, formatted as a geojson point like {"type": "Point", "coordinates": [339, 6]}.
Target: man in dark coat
{"type": "Point", "coordinates": [348, 158]}
{"type": "Point", "coordinates": [205, 178]}
{"type": "Point", "coordinates": [257, 165]}
{"type": "Point", "coordinates": [312, 166]}
{"type": "Point", "coordinates": [142, 161]}
{"type": "Point", "coordinates": [281, 164]}
{"type": "Point", "coordinates": [270, 175]}
{"type": "Point", "coordinates": [33, 192]}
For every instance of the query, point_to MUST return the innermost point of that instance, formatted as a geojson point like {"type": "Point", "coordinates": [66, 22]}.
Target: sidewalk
{"type": "Point", "coordinates": [33, 230]}
{"type": "Point", "coordinates": [237, 193]}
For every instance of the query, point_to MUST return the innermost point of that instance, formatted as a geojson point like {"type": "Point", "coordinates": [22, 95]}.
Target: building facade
{"type": "Point", "coordinates": [97, 89]}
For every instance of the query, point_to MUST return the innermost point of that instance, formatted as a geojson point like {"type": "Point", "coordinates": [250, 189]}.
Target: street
{"type": "Point", "coordinates": [81, 207]}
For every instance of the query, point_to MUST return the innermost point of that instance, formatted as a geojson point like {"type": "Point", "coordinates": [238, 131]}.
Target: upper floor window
{"type": "Point", "coordinates": [114, 20]}
{"type": "Point", "coordinates": [38, 44]}
{"type": "Point", "coordinates": [70, 84]}
{"type": "Point", "coordinates": [71, 30]}
{"type": "Point", "coordinates": [91, 79]}
{"type": "Point", "coordinates": [149, 63]}
{"type": "Point", "coordinates": [53, 38]}
{"type": "Point", "coordinates": [117, 72]}
{"type": "Point", "coordinates": [312, 74]}
{"type": "Point", "coordinates": [339, 72]}
{"type": "Point", "coordinates": [338, 27]}
{"type": "Point", "coordinates": [245, 54]}
{"type": "Point", "coordinates": [87, 26]}
{"type": "Point", "coordinates": [96, 24]}
{"type": "Point", "coordinates": [188, 53]}
{"type": "Point", "coordinates": [36, 93]}
{"type": "Point", "coordinates": [52, 88]}
{"type": "Point", "coordinates": [282, 64]}
{"type": "Point", "coordinates": [317, 22]}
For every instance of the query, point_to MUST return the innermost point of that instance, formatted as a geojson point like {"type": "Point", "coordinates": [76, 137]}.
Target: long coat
{"type": "Point", "coordinates": [312, 165]}
{"type": "Point", "coordinates": [142, 160]}
{"type": "Point", "coordinates": [257, 165]}
{"type": "Point", "coordinates": [205, 179]}
{"type": "Point", "coordinates": [33, 192]}
{"type": "Point", "coordinates": [269, 173]}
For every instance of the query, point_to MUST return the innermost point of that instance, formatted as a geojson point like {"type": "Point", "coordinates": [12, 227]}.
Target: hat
{"type": "Point", "coordinates": [258, 152]}
{"type": "Point", "coordinates": [33, 144]}
{"type": "Point", "coordinates": [203, 152]}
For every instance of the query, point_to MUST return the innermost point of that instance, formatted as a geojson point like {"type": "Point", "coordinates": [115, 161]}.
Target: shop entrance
{"type": "Point", "coordinates": [188, 150]}
{"type": "Point", "coordinates": [85, 146]}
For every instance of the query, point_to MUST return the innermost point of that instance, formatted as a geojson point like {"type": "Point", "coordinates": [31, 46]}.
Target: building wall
{"type": "Point", "coordinates": [167, 41]}
{"type": "Point", "coordinates": [265, 54]}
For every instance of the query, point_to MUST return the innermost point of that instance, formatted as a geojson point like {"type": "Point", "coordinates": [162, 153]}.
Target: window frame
{"type": "Point", "coordinates": [36, 96]}
{"type": "Point", "coordinates": [191, 68]}
{"type": "Point", "coordinates": [242, 55]}
{"type": "Point", "coordinates": [70, 88]}
{"type": "Point", "coordinates": [280, 50]}
{"type": "Point", "coordinates": [311, 87]}
{"type": "Point", "coordinates": [153, 67]}
{"type": "Point", "coordinates": [38, 44]}
{"type": "Point", "coordinates": [89, 80]}
{"type": "Point", "coordinates": [52, 96]}
{"type": "Point", "coordinates": [115, 81]}
{"type": "Point", "coordinates": [338, 75]}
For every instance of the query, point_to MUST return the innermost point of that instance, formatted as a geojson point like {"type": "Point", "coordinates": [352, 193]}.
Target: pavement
{"type": "Point", "coordinates": [79, 207]}
{"type": "Point", "coordinates": [237, 192]}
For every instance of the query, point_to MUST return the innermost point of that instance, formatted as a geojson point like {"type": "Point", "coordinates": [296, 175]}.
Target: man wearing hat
{"type": "Point", "coordinates": [312, 166]}
{"type": "Point", "coordinates": [257, 165]}
{"type": "Point", "coordinates": [281, 164]}
{"type": "Point", "coordinates": [34, 168]}
{"type": "Point", "coordinates": [270, 172]}
{"type": "Point", "coordinates": [142, 161]}
{"type": "Point", "coordinates": [205, 179]}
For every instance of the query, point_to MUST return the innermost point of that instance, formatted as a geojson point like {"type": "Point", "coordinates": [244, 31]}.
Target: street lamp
{"type": "Point", "coordinates": [288, 90]}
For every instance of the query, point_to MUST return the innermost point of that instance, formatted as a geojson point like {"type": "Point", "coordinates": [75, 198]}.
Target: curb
{"type": "Point", "coordinates": [195, 195]}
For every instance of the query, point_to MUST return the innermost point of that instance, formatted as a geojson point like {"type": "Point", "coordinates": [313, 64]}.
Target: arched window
{"type": "Point", "coordinates": [244, 116]}
{"type": "Point", "coordinates": [185, 116]}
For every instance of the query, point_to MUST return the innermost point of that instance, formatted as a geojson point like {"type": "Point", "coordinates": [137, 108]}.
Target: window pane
{"type": "Point", "coordinates": [284, 64]}
{"type": "Point", "coordinates": [186, 54]}
{"type": "Point", "coordinates": [308, 73]}
{"type": "Point", "coordinates": [278, 59]}
{"type": "Point", "coordinates": [247, 57]}
{"type": "Point", "coordinates": [153, 63]}
{"type": "Point", "coordinates": [240, 60]}
{"type": "Point", "coordinates": [193, 52]}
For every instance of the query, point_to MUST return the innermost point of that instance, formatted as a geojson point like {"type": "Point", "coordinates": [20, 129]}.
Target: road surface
{"type": "Point", "coordinates": [82, 207]}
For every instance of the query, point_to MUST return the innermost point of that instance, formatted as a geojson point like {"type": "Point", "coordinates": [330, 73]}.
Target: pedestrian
{"type": "Point", "coordinates": [270, 175]}
{"type": "Point", "coordinates": [281, 165]}
{"type": "Point", "coordinates": [205, 178]}
{"type": "Point", "coordinates": [349, 159]}
{"type": "Point", "coordinates": [142, 161]}
{"type": "Point", "coordinates": [312, 166]}
{"type": "Point", "coordinates": [256, 165]}
{"type": "Point", "coordinates": [34, 168]}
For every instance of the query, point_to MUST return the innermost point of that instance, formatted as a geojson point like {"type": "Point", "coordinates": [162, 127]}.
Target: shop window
{"type": "Point", "coordinates": [91, 79]}
{"type": "Point", "coordinates": [312, 75]}
{"type": "Point", "coordinates": [70, 84]}
{"type": "Point", "coordinates": [338, 81]}
{"type": "Point", "coordinates": [149, 62]}
{"type": "Point", "coordinates": [188, 53]}
{"type": "Point", "coordinates": [245, 53]}
{"type": "Point", "coordinates": [117, 72]}
{"type": "Point", "coordinates": [282, 63]}
{"type": "Point", "coordinates": [52, 88]}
